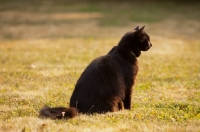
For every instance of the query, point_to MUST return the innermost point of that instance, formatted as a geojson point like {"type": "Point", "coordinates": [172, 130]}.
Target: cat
{"type": "Point", "coordinates": [106, 83]}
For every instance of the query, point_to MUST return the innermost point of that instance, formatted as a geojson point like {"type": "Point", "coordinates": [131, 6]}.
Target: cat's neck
{"type": "Point", "coordinates": [127, 53]}
{"type": "Point", "coordinates": [126, 44]}
{"type": "Point", "coordinates": [133, 54]}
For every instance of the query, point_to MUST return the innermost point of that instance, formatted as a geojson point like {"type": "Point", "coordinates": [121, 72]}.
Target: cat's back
{"type": "Point", "coordinates": [103, 64]}
{"type": "Point", "coordinates": [97, 71]}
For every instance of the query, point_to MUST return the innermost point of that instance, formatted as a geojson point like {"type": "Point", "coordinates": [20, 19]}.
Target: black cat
{"type": "Point", "coordinates": [106, 84]}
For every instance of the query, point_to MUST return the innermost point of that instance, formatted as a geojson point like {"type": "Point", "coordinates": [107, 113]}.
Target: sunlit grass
{"type": "Point", "coordinates": [166, 91]}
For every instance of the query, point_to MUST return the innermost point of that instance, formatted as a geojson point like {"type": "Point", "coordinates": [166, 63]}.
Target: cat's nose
{"type": "Point", "coordinates": [150, 44]}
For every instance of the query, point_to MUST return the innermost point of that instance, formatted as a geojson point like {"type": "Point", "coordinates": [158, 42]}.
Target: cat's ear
{"type": "Point", "coordinates": [137, 28]}
{"type": "Point", "coordinates": [142, 28]}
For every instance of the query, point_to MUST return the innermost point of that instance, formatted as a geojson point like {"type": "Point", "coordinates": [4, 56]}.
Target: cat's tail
{"type": "Point", "coordinates": [58, 112]}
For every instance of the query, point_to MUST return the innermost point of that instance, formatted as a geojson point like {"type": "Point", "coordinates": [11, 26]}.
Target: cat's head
{"type": "Point", "coordinates": [142, 38]}
{"type": "Point", "coordinates": [136, 40]}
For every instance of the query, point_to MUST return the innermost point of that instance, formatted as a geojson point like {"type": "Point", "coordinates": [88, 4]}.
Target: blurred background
{"type": "Point", "coordinates": [34, 19]}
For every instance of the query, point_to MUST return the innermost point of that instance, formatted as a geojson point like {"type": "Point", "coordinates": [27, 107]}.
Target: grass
{"type": "Point", "coordinates": [45, 46]}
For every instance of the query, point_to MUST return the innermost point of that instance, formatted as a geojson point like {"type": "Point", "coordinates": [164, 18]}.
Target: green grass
{"type": "Point", "coordinates": [45, 47]}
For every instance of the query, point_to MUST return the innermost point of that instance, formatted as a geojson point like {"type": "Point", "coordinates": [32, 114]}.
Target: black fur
{"type": "Point", "coordinates": [58, 112]}
{"type": "Point", "coordinates": [106, 84]}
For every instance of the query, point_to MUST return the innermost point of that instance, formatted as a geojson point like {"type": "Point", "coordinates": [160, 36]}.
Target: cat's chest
{"type": "Point", "coordinates": [130, 70]}
{"type": "Point", "coordinates": [135, 68]}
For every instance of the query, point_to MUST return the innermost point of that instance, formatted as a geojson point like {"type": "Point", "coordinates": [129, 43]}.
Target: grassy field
{"type": "Point", "coordinates": [45, 46]}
